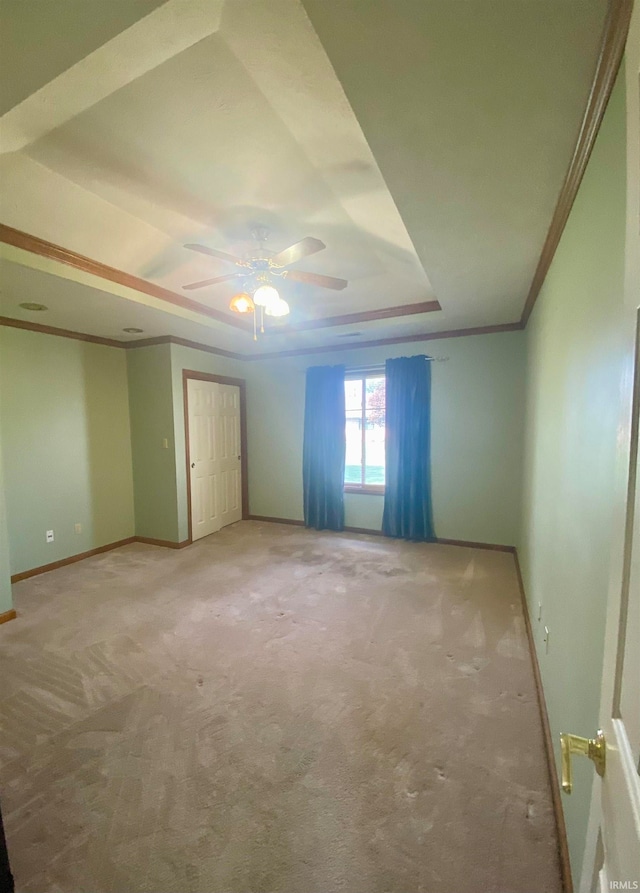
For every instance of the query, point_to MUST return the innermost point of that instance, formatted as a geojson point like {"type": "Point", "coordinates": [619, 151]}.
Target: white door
{"type": "Point", "coordinates": [612, 860]}
{"type": "Point", "coordinates": [229, 450]}
{"type": "Point", "coordinates": [214, 455]}
{"type": "Point", "coordinates": [204, 459]}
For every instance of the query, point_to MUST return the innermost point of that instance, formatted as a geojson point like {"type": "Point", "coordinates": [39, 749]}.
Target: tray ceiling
{"type": "Point", "coordinates": [426, 149]}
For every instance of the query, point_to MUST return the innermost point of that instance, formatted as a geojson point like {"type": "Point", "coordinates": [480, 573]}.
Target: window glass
{"type": "Point", "coordinates": [374, 454]}
{"type": "Point", "coordinates": [353, 394]}
{"type": "Point", "coordinates": [353, 458]}
{"type": "Point", "coordinates": [365, 431]}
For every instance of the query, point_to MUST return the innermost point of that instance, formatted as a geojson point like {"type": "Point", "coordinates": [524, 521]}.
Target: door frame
{"type": "Point", "coordinates": [244, 465]}
{"type": "Point", "coordinates": [626, 471]}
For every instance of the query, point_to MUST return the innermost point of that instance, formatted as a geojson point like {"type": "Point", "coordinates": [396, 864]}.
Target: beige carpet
{"type": "Point", "coordinates": [274, 709]}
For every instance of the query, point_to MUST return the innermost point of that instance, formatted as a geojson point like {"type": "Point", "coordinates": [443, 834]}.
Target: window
{"type": "Point", "coordinates": [365, 408]}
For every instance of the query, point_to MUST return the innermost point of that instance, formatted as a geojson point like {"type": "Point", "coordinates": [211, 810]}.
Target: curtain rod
{"type": "Point", "coordinates": [380, 367]}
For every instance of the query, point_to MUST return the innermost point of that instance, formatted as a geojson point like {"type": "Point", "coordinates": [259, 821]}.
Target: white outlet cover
{"type": "Point", "coordinates": [49, 536]}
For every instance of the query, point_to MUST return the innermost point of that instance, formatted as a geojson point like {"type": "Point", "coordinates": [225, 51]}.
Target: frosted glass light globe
{"type": "Point", "coordinates": [265, 296]}
{"type": "Point", "coordinates": [278, 308]}
{"type": "Point", "coordinates": [241, 303]}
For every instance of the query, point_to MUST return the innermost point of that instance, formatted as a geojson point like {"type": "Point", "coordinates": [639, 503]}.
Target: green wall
{"type": "Point", "coordinates": [6, 601]}
{"type": "Point", "coordinates": [154, 464]}
{"type": "Point", "coordinates": [66, 446]}
{"type": "Point", "coordinates": [576, 356]}
{"type": "Point", "coordinates": [476, 448]}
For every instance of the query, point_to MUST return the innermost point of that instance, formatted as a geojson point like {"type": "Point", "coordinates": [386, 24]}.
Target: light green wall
{"type": "Point", "coordinates": [6, 601]}
{"type": "Point", "coordinates": [154, 465]}
{"type": "Point", "coordinates": [197, 361]}
{"type": "Point", "coordinates": [66, 446]}
{"type": "Point", "coordinates": [476, 435]}
{"type": "Point", "coordinates": [575, 360]}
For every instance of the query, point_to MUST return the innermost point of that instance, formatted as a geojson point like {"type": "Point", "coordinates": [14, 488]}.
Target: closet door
{"type": "Point", "coordinates": [204, 456]}
{"type": "Point", "coordinates": [230, 454]}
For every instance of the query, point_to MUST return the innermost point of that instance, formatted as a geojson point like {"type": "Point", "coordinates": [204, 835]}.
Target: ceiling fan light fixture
{"type": "Point", "coordinates": [242, 303]}
{"type": "Point", "coordinates": [266, 296]}
{"type": "Point", "coordinates": [277, 308]}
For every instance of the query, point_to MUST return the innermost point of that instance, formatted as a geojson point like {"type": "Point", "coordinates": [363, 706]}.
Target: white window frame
{"type": "Point", "coordinates": [363, 375]}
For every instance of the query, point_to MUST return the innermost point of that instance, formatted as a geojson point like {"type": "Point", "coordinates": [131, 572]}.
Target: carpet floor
{"type": "Point", "coordinates": [274, 709]}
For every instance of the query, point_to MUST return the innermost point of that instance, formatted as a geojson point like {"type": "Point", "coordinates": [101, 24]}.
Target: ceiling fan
{"type": "Point", "coordinates": [259, 268]}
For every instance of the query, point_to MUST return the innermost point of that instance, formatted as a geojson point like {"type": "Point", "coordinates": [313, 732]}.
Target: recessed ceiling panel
{"type": "Point", "coordinates": [423, 141]}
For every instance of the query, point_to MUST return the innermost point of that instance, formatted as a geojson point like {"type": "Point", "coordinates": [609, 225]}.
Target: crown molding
{"type": "Point", "coordinates": [614, 38]}
{"type": "Point", "coordinates": [380, 342]}
{"type": "Point", "coordinates": [183, 342]}
{"type": "Point", "coordinates": [35, 245]}
{"type": "Point", "coordinates": [62, 333]}
{"type": "Point", "coordinates": [41, 247]}
{"type": "Point", "coordinates": [357, 318]}
{"type": "Point", "coordinates": [272, 355]}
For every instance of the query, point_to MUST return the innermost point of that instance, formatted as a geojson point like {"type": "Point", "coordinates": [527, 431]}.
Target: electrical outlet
{"type": "Point", "coordinates": [539, 611]}
{"type": "Point", "coordinates": [49, 536]}
{"type": "Point", "coordinates": [546, 639]}
{"type": "Point", "coordinates": [78, 528]}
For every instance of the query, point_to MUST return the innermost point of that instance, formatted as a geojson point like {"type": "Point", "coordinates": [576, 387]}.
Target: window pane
{"type": "Point", "coordinates": [353, 459]}
{"type": "Point", "coordinates": [374, 433]}
{"type": "Point", "coordinates": [365, 406]}
{"type": "Point", "coordinates": [374, 453]}
{"type": "Point", "coordinates": [375, 395]}
{"type": "Point", "coordinates": [353, 393]}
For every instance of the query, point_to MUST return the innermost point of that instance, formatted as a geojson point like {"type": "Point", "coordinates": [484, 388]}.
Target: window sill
{"type": "Point", "coordinates": [366, 490]}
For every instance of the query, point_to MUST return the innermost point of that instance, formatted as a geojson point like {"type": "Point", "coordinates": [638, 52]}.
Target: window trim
{"type": "Point", "coordinates": [362, 375]}
{"type": "Point", "coordinates": [367, 489]}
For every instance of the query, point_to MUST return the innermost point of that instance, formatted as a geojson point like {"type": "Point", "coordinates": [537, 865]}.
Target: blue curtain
{"type": "Point", "coordinates": [407, 497]}
{"type": "Point", "coordinates": [324, 448]}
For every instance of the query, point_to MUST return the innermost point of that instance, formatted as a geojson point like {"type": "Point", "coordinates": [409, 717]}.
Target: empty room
{"type": "Point", "coordinates": [319, 416]}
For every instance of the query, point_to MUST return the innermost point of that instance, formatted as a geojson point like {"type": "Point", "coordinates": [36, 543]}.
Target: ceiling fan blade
{"type": "Point", "coordinates": [213, 252]}
{"type": "Point", "coordinates": [296, 252]}
{"type": "Point", "coordinates": [316, 279]}
{"type": "Point", "coordinates": [206, 282]}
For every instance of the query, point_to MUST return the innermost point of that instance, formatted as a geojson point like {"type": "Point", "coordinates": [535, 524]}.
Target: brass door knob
{"type": "Point", "coordinates": [594, 748]}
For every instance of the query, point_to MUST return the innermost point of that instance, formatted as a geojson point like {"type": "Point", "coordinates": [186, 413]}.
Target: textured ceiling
{"type": "Point", "coordinates": [40, 39]}
{"type": "Point", "coordinates": [425, 148]}
{"type": "Point", "coordinates": [472, 110]}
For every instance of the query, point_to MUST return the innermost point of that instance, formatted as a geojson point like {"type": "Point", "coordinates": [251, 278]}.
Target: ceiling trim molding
{"type": "Point", "coordinates": [218, 351]}
{"type": "Point", "coordinates": [35, 245]}
{"type": "Point", "coordinates": [183, 342]}
{"type": "Point", "coordinates": [614, 38]}
{"type": "Point", "coordinates": [348, 319]}
{"type": "Point", "coordinates": [380, 342]}
{"type": "Point", "coordinates": [114, 342]}
{"type": "Point", "coordinates": [62, 333]}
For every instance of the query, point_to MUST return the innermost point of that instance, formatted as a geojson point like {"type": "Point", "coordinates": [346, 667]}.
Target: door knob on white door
{"type": "Point", "coordinates": [594, 748]}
